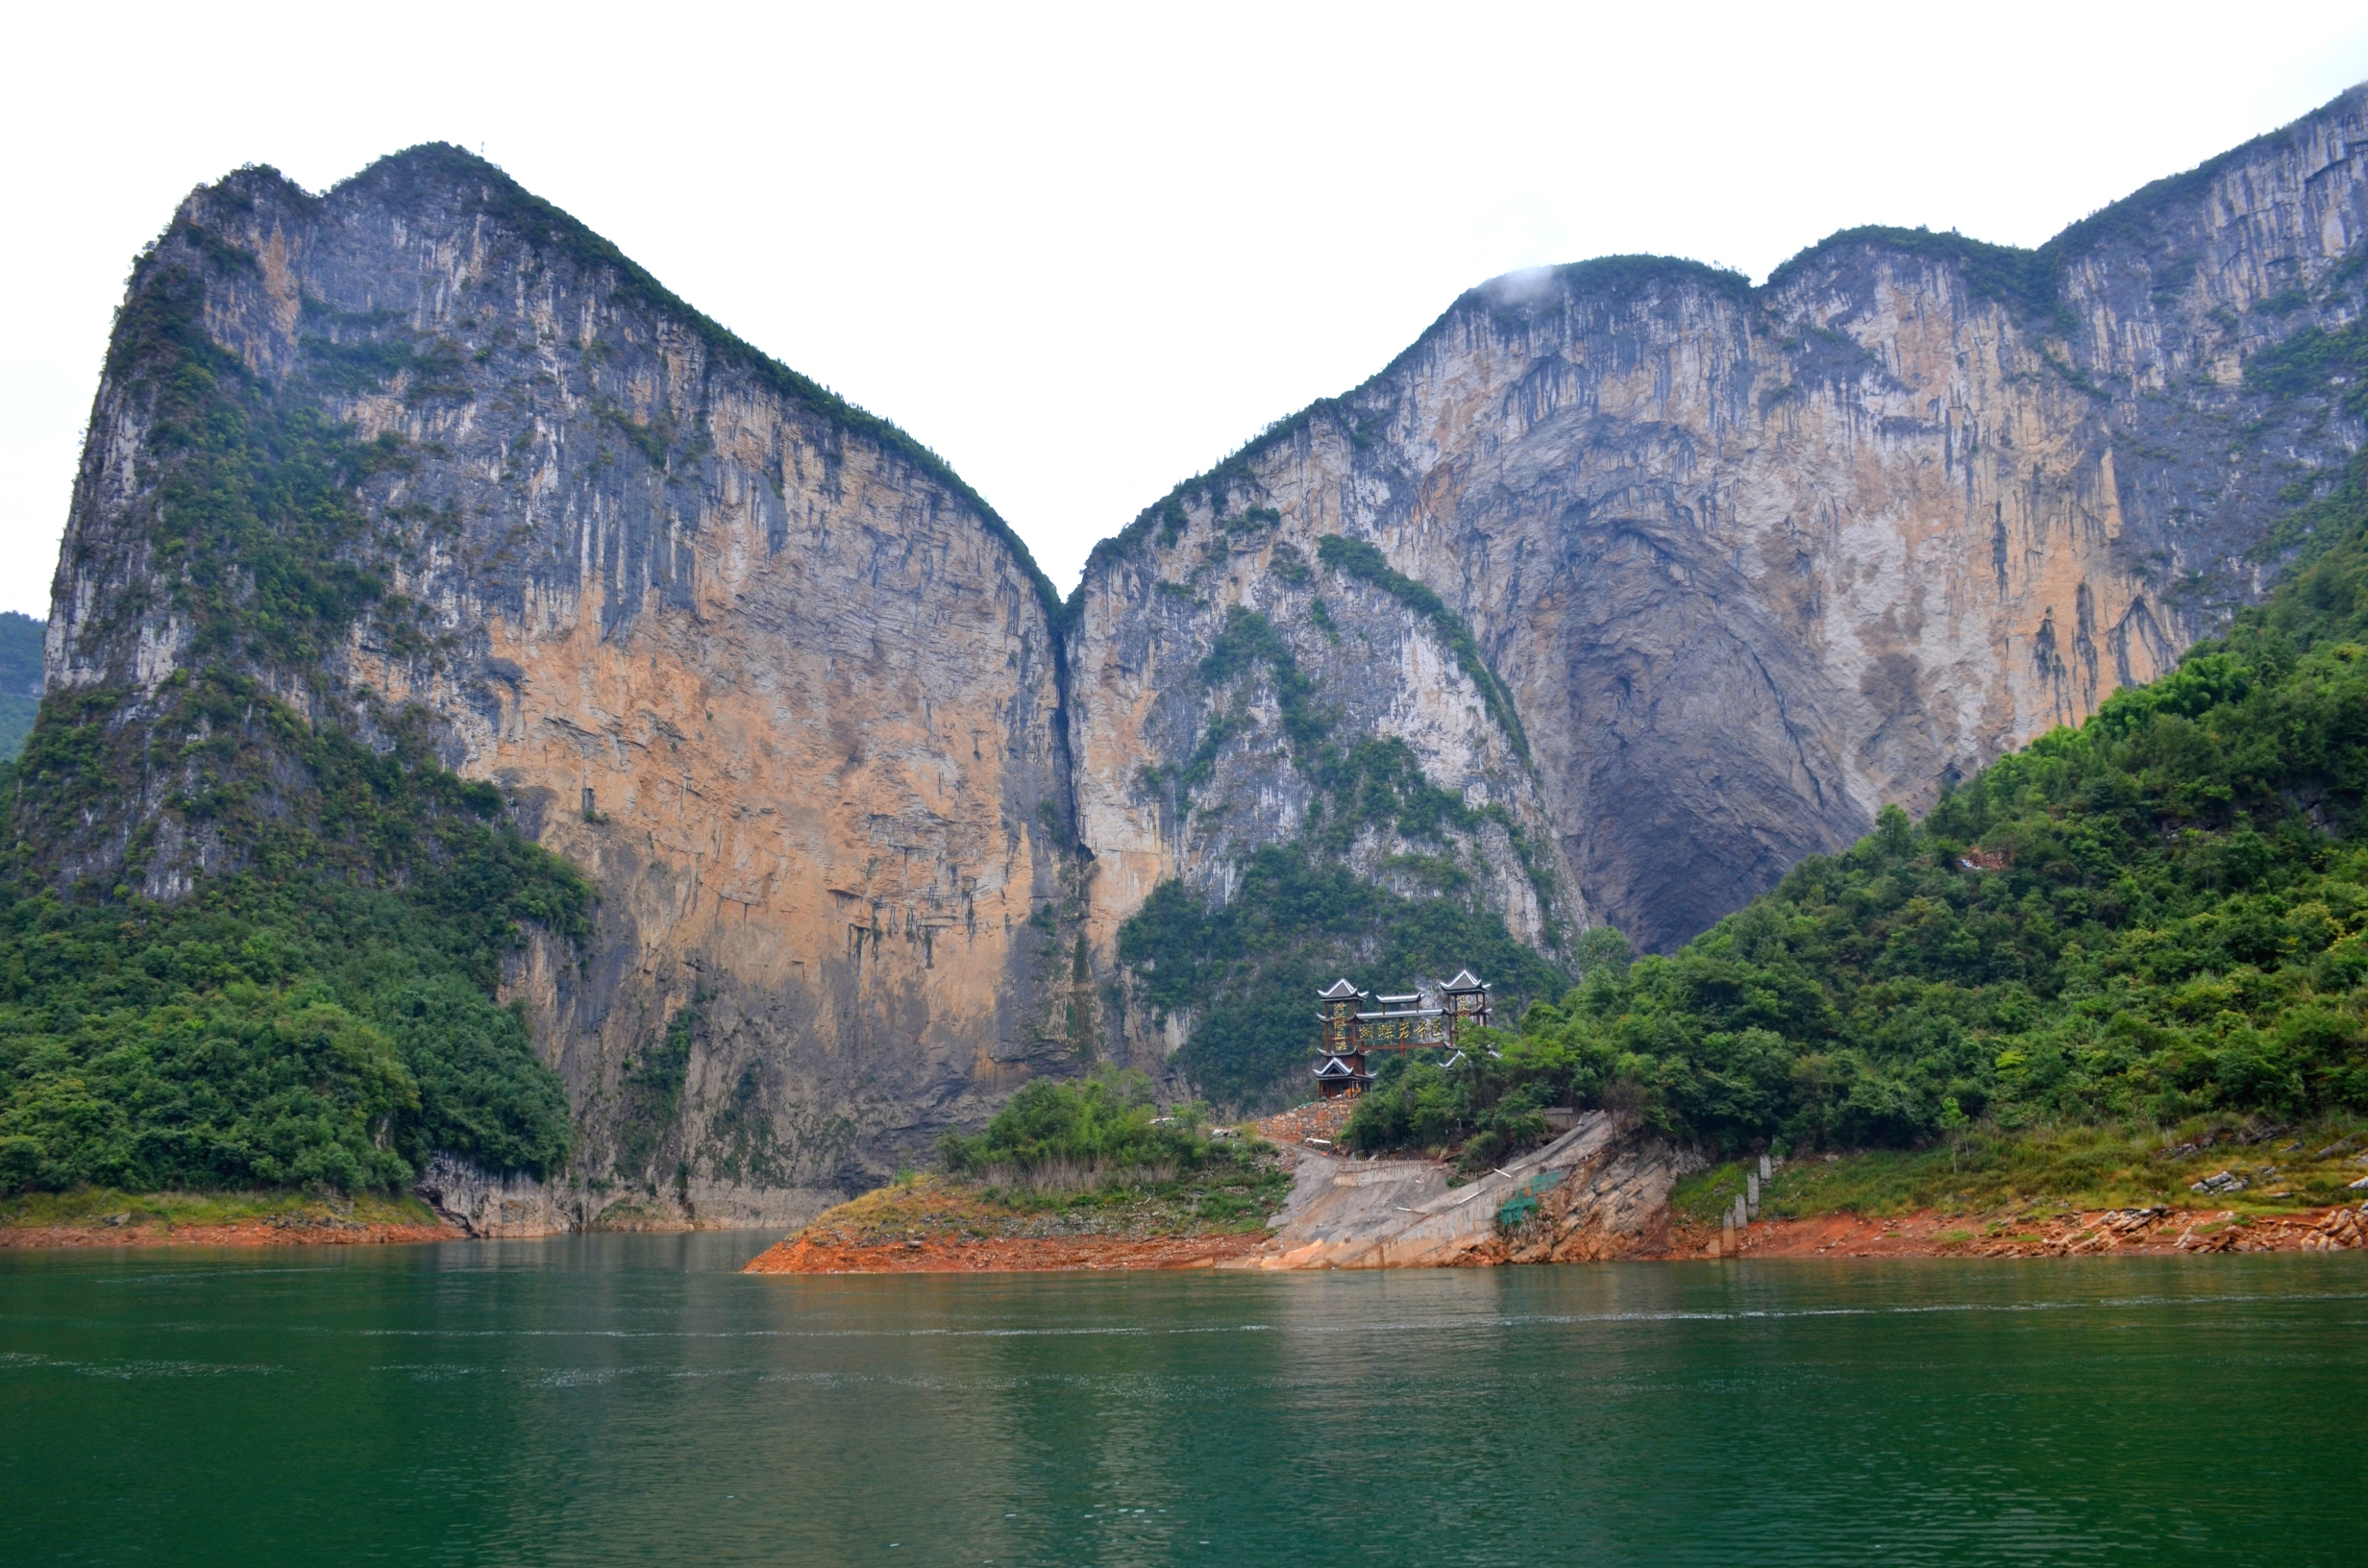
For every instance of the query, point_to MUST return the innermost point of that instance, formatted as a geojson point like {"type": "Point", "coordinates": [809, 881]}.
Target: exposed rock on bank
{"type": "Point", "coordinates": [482, 1204]}
{"type": "Point", "coordinates": [1599, 1191]}
{"type": "Point", "coordinates": [102, 1218]}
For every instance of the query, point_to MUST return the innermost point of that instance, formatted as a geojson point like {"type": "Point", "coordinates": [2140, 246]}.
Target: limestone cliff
{"type": "Point", "coordinates": [756, 662]}
{"type": "Point", "coordinates": [1751, 562]}
{"type": "Point", "coordinates": [1625, 587]}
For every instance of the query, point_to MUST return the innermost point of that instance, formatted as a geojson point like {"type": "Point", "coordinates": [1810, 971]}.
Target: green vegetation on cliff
{"type": "Point", "coordinates": [1248, 968]}
{"type": "Point", "coordinates": [1359, 559]}
{"type": "Point", "coordinates": [310, 999]}
{"type": "Point", "coordinates": [324, 1018]}
{"type": "Point", "coordinates": [2156, 917]}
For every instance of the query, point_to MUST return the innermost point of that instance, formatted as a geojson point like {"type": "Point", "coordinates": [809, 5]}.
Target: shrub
{"type": "Point", "coordinates": [1056, 1135]}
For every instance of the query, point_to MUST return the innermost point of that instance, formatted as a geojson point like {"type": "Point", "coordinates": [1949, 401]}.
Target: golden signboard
{"type": "Point", "coordinates": [1402, 1031]}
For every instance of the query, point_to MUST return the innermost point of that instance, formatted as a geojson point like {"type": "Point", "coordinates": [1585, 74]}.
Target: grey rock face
{"type": "Point", "coordinates": [493, 1203]}
{"type": "Point", "coordinates": [1754, 562]}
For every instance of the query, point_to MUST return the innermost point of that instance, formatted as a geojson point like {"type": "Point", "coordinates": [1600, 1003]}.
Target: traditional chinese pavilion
{"type": "Point", "coordinates": [1357, 1023]}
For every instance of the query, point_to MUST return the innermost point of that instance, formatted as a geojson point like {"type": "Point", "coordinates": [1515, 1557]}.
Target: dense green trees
{"type": "Point", "coordinates": [324, 1018]}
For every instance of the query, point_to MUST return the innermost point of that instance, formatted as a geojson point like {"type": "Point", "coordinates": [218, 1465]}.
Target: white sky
{"type": "Point", "coordinates": [1085, 253]}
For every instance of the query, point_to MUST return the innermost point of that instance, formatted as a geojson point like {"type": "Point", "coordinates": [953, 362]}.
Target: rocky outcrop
{"type": "Point", "coordinates": [1752, 562]}
{"type": "Point", "coordinates": [491, 1205]}
{"type": "Point", "coordinates": [1600, 1190]}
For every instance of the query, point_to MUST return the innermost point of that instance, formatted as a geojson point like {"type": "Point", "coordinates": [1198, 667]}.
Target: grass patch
{"type": "Point", "coordinates": [1065, 1158]}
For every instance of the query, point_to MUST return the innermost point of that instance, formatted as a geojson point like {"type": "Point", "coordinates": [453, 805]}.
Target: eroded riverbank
{"type": "Point", "coordinates": [2147, 1232]}
{"type": "Point", "coordinates": [108, 1219]}
{"type": "Point", "coordinates": [1601, 1191]}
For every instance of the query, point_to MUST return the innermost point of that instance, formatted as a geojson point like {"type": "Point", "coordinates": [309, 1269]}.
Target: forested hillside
{"type": "Point", "coordinates": [2155, 915]}
{"type": "Point", "coordinates": [322, 1018]}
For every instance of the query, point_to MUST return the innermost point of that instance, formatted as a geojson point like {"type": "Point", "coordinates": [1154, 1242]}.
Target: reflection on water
{"type": "Point", "coordinates": [615, 1399]}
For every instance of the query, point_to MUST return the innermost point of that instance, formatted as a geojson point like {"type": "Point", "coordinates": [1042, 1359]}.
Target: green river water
{"type": "Point", "coordinates": [634, 1400]}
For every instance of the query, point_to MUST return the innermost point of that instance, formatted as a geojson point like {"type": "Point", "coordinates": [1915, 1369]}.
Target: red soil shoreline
{"type": "Point", "coordinates": [249, 1233]}
{"type": "Point", "coordinates": [1925, 1234]}
{"type": "Point", "coordinates": [2148, 1232]}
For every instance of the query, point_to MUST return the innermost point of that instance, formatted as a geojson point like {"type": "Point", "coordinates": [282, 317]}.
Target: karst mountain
{"type": "Point", "coordinates": [422, 538]}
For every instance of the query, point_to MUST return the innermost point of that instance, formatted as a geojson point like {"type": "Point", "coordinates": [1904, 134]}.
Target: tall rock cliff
{"type": "Point", "coordinates": [1625, 587]}
{"type": "Point", "coordinates": [758, 664]}
{"type": "Point", "coordinates": [1750, 563]}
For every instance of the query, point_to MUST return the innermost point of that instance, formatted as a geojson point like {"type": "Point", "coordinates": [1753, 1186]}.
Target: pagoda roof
{"type": "Point", "coordinates": [1339, 991]}
{"type": "Point", "coordinates": [1333, 1067]}
{"type": "Point", "coordinates": [1466, 980]}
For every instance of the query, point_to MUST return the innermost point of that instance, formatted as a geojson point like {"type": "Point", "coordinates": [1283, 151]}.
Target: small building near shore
{"type": "Point", "coordinates": [1354, 1024]}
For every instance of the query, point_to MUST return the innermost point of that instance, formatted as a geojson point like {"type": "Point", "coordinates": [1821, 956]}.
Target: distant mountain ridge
{"type": "Point", "coordinates": [1625, 587]}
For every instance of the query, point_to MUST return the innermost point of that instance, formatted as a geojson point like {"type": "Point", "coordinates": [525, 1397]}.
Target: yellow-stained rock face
{"type": "Point", "coordinates": [809, 800]}
{"type": "Point", "coordinates": [762, 669]}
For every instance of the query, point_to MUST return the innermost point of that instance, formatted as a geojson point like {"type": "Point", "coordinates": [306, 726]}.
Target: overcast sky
{"type": "Point", "coordinates": [1085, 253]}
